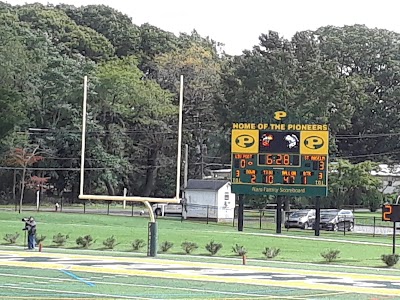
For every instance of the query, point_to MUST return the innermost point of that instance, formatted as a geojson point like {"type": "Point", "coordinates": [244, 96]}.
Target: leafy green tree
{"type": "Point", "coordinates": [114, 25]}
{"type": "Point", "coordinates": [11, 111]}
{"type": "Point", "coordinates": [135, 114]}
{"type": "Point", "coordinates": [350, 183]}
{"type": "Point", "coordinates": [69, 37]}
{"type": "Point", "coordinates": [367, 57]}
{"type": "Point", "coordinates": [200, 69]}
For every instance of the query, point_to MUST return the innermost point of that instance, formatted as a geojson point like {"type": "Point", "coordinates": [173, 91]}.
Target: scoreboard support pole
{"type": "Point", "coordinates": [394, 238]}
{"type": "Point", "coordinates": [317, 215]}
{"type": "Point", "coordinates": [279, 214]}
{"type": "Point", "coordinates": [240, 212]}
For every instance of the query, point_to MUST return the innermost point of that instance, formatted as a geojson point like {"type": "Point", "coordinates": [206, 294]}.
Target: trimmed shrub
{"type": "Point", "coordinates": [60, 239]}
{"type": "Point", "coordinates": [213, 247]}
{"type": "Point", "coordinates": [390, 259]}
{"type": "Point", "coordinates": [85, 242]}
{"type": "Point", "coordinates": [11, 238]}
{"type": "Point", "coordinates": [271, 252]}
{"type": "Point", "coordinates": [239, 250]}
{"type": "Point", "coordinates": [165, 246]}
{"type": "Point", "coordinates": [330, 255]}
{"type": "Point", "coordinates": [138, 244]}
{"type": "Point", "coordinates": [110, 242]}
{"type": "Point", "coordinates": [189, 247]}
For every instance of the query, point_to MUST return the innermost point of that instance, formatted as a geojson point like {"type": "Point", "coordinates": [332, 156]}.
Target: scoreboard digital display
{"type": "Point", "coordinates": [391, 212]}
{"type": "Point", "coordinates": [280, 159]}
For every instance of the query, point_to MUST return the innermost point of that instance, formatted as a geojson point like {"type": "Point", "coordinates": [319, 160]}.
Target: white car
{"type": "Point", "coordinates": [162, 209]}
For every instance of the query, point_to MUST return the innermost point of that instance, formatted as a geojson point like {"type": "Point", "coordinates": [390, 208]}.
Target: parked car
{"type": "Point", "coordinates": [162, 209]}
{"type": "Point", "coordinates": [301, 219]}
{"type": "Point", "coordinates": [337, 220]}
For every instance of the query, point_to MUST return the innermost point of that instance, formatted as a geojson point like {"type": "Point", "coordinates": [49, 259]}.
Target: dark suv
{"type": "Point", "coordinates": [337, 220]}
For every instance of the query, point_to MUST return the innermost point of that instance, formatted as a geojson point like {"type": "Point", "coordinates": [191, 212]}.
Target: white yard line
{"type": "Point", "coordinates": [74, 293]}
{"type": "Point", "coordinates": [142, 285]}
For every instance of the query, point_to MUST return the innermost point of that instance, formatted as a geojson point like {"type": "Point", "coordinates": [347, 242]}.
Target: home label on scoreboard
{"type": "Point", "coordinates": [280, 159]}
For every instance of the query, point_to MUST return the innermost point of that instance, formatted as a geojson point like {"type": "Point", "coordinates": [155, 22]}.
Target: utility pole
{"type": "Point", "coordinates": [186, 166]}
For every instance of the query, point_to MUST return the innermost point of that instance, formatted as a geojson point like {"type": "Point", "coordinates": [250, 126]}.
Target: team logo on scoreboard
{"type": "Point", "coordinates": [266, 139]}
{"type": "Point", "coordinates": [245, 141]}
{"type": "Point", "coordinates": [314, 142]}
{"type": "Point", "coordinates": [292, 140]}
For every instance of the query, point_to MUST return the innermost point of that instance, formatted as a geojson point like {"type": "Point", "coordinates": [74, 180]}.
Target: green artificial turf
{"type": "Point", "coordinates": [127, 229]}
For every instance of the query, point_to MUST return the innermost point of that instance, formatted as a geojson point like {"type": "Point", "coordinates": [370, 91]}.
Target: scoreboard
{"type": "Point", "coordinates": [280, 159]}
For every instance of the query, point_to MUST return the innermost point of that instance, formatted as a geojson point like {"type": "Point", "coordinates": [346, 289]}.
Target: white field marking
{"type": "Point", "coordinates": [76, 293]}
{"type": "Point", "coordinates": [143, 285]}
{"type": "Point", "coordinates": [175, 257]}
{"type": "Point", "coordinates": [306, 238]}
{"type": "Point", "coordinates": [312, 296]}
{"type": "Point", "coordinates": [84, 225]}
{"type": "Point", "coordinates": [252, 233]}
{"type": "Point", "coordinates": [279, 270]}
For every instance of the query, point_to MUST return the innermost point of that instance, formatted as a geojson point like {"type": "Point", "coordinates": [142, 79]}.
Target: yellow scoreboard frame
{"type": "Point", "coordinates": [280, 159]}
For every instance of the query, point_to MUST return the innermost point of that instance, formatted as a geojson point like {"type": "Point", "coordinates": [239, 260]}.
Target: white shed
{"type": "Point", "coordinates": [210, 199]}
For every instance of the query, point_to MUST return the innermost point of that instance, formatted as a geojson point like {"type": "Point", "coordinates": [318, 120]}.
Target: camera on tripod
{"type": "Point", "coordinates": [27, 220]}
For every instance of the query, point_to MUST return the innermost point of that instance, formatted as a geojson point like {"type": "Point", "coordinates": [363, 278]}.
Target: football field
{"type": "Point", "coordinates": [39, 275]}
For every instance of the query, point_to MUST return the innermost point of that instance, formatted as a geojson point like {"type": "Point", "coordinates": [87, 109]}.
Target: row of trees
{"type": "Point", "coordinates": [347, 77]}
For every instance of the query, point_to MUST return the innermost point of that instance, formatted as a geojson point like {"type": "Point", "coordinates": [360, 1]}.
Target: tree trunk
{"type": "Point", "coordinates": [110, 187]}
{"type": "Point", "coordinates": [151, 172]}
{"type": "Point", "coordinates": [22, 189]}
{"type": "Point", "coordinates": [15, 189]}
{"type": "Point", "coordinates": [74, 193]}
{"type": "Point", "coordinates": [286, 204]}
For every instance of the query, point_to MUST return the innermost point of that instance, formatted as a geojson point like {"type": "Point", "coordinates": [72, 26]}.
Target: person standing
{"type": "Point", "coordinates": [30, 226]}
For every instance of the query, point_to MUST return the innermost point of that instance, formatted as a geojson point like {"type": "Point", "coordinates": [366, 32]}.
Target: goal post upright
{"type": "Point", "coordinates": [83, 136]}
{"type": "Point", "coordinates": [152, 229]}
{"type": "Point", "coordinates": [84, 196]}
{"type": "Point", "coordinates": [179, 152]}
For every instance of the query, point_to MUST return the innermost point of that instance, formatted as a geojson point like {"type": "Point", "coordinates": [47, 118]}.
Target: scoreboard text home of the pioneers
{"type": "Point", "coordinates": [280, 159]}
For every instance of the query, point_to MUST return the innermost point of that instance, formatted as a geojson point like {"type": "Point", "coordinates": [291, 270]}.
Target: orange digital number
{"type": "Point", "coordinates": [253, 178]}
{"type": "Point", "coordinates": [243, 163]}
{"type": "Point", "coordinates": [237, 173]}
{"type": "Point", "coordinates": [269, 179]}
{"type": "Point", "coordinates": [321, 165]}
{"type": "Point", "coordinates": [387, 214]}
{"type": "Point", "coordinates": [286, 159]}
{"type": "Point", "coordinates": [269, 160]}
{"type": "Point", "coordinates": [285, 179]}
{"type": "Point", "coordinates": [320, 175]}
{"type": "Point", "coordinates": [279, 159]}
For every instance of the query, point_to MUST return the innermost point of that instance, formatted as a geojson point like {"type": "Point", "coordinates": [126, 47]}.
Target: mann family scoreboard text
{"type": "Point", "coordinates": [280, 159]}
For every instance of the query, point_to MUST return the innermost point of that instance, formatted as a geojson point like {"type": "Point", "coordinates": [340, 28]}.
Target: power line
{"type": "Point", "coordinates": [363, 136]}
{"type": "Point", "coordinates": [366, 155]}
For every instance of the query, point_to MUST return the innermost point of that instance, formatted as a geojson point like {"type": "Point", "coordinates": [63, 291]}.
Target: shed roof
{"type": "Point", "coordinates": [199, 184]}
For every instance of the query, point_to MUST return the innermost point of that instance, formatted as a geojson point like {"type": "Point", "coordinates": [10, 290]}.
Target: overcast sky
{"type": "Point", "coordinates": [238, 23]}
